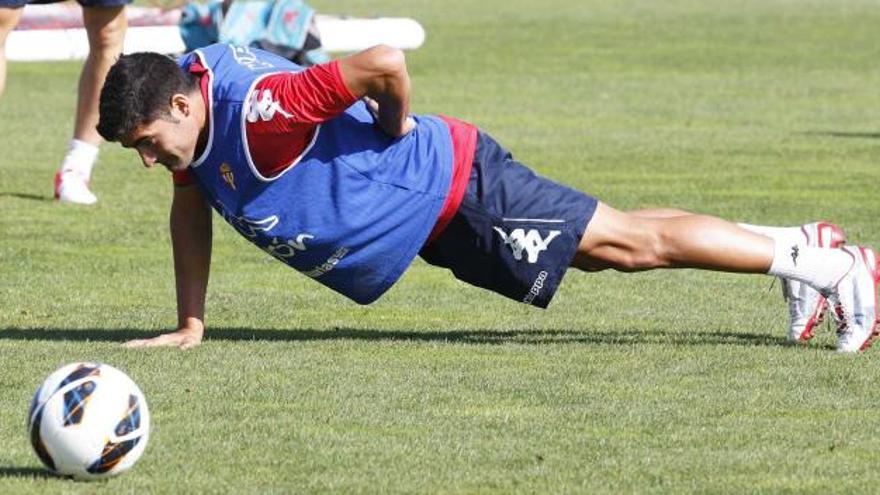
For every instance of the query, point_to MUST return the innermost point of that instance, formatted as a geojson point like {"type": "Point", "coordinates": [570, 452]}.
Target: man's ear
{"type": "Point", "coordinates": [181, 103]}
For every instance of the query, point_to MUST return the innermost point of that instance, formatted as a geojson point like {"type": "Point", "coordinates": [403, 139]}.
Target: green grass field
{"type": "Point", "coordinates": [763, 111]}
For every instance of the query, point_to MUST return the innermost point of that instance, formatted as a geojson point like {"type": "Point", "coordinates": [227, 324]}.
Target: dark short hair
{"type": "Point", "coordinates": [138, 90]}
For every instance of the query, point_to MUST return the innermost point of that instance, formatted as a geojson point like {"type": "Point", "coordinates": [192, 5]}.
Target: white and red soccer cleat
{"type": "Point", "coordinates": [854, 301]}
{"type": "Point", "coordinates": [71, 187]}
{"type": "Point", "coordinates": [806, 306]}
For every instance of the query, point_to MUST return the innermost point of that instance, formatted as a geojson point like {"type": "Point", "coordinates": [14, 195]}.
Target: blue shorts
{"type": "Point", "coordinates": [14, 4]}
{"type": "Point", "coordinates": [515, 233]}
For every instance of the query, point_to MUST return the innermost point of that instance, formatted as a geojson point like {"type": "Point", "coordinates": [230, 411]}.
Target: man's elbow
{"type": "Point", "coordinates": [373, 71]}
{"type": "Point", "coordinates": [388, 60]}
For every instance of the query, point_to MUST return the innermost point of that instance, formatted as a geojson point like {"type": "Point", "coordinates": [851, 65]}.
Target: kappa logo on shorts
{"type": "Point", "coordinates": [535, 291]}
{"type": "Point", "coordinates": [531, 242]}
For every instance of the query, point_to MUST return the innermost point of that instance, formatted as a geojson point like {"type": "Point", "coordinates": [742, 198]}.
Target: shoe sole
{"type": "Point", "coordinates": [58, 185]}
{"type": "Point", "coordinates": [875, 274]}
{"type": "Point", "coordinates": [868, 255]}
{"type": "Point", "coordinates": [828, 236]}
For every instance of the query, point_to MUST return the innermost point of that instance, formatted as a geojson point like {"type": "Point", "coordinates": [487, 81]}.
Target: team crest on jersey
{"type": "Point", "coordinates": [228, 176]}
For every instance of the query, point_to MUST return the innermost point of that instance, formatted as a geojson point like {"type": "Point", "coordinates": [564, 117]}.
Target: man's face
{"type": "Point", "coordinates": [169, 141]}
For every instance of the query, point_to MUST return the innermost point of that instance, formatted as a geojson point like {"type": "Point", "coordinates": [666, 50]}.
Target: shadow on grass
{"type": "Point", "coordinates": [32, 197]}
{"type": "Point", "coordinates": [839, 134]}
{"type": "Point", "coordinates": [479, 336]}
{"type": "Point", "coordinates": [25, 472]}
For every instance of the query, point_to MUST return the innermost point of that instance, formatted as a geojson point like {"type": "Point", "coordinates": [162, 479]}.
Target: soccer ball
{"type": "Point", "coordinates": [89, 421]}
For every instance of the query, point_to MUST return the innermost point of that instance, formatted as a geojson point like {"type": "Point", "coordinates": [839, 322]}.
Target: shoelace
{"type": "Point", "coordinates": [842, 324]}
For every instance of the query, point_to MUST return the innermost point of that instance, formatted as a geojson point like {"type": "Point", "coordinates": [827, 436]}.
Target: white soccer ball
{"type": "Point", "coordinates": [89, 421]}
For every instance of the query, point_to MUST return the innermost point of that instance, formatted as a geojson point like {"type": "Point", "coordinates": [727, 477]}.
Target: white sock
{"type": "Point", "coordinates": [820, 268]}
{"type": "Point", "coordinates": [789, 235]}
{"type": "Point", "coordinates": [80, 158]}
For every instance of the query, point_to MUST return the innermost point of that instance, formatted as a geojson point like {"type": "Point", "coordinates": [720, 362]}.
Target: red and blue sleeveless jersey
{"type": "Point", "coordinates": [352, 211]}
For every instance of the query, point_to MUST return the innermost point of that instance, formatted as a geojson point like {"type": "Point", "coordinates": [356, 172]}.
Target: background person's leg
{"type": "Point", "coordinates": [9, 17]}
{"type": "Point", "coordinates": [105, 27]}
{"type": "Point", "coordinates": [106, 31]}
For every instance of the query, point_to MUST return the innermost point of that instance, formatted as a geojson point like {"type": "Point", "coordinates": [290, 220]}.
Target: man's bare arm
{"type": "Point", "coordinates": [379, 73]}
{"type": "Point", "coordinates": [191, 243]}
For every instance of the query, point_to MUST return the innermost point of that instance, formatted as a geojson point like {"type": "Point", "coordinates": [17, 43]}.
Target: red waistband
{"type": "Point", "coordinates": [464, 145]}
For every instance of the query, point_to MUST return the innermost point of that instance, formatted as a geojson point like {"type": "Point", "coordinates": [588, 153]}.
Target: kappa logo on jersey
{"type": "Point", "coordinates": [248, 59]}
{"type": "Point", "coordinates": [262, 106]}
{"type": "Point", "coordinates": [531, 242]}
{"type": "Point", "coordinates": [226, 173]}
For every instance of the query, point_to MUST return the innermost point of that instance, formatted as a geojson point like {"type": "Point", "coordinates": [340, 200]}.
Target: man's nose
{"type": "Point", "coordinates": [149, 159]}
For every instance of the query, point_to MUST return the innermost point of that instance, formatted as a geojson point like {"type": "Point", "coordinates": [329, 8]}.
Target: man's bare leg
{"type": "Point", "coordinates": [649, 239]}
{"type": "Point", "coordinates": [628, 242]}
{"type": "Point", "coordinates": [660, 213]}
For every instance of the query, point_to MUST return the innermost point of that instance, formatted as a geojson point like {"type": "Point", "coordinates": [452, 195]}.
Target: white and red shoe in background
{"type": "Point", "coordinates": [71, 187]}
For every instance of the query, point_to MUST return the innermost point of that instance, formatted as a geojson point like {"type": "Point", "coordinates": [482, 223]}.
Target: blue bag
{"type": "Point", "coordinates": [284, 27]}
